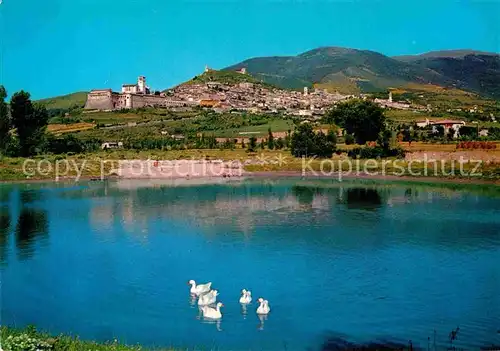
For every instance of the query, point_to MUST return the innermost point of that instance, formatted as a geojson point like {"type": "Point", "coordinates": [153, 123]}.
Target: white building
{"type": "Point", "coordinates": [447, 125]}
{"type": "Point", "coordinates": [423, 124]}
{"type": "Point", "coordinates": [139, 88]}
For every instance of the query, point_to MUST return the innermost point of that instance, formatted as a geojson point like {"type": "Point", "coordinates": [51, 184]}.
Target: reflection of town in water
{"type": "Point", "coordinates": [132, 206]}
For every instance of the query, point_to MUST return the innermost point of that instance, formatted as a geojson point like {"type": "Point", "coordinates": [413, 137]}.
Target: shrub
{"type": "Point", "coordinates": [375, 152]}
{"type": "Point", "coordinates": [349, 139]}
{"type": "Point", "coordinates": [24, 342]}
{"type": "Point", "coordinates": [474, 145]}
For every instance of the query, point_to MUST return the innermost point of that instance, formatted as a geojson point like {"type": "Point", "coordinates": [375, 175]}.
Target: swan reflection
{"type": "Point", "coordinates": [262, 319]}
{"type": "Point", "coordinates": [200, 313]}
{"type": "Point", "coordinates": [193, 300]}
{"type": "Point", "coordinates": [216, 322]}
{"type": "Point", "coordinates": [244, 310]}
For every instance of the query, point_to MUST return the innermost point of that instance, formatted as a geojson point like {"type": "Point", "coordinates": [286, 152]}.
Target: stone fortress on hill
{"type": "Point", "coordinates": [131, 96]}
{"type": "Point", "coordinates": [244, 95]}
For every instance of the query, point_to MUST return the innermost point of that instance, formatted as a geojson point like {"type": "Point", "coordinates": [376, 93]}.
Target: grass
{"type": "Point", "coordinates": [29, 339]}
{"type": "Point", "coordinates": [89, 165]}
{"type": "Point", "coordinates": [65, 101]}
{"type": "Point", "coordinates": [69, 128]}
{"type": "Point", "coordinates": [226, 77]}
{"type": "Point", "coordinates": [152, 122]}
{"type": "Point", "coordinates": [278, 125]}
{"type": "Point", "coordinates": [117, 117]}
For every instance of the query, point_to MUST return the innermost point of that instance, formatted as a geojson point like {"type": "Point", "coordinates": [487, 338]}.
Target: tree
{"type": "Point", "coordinates": [279, 144]}
{"type": "Point", "coordinates": [307, 143]}
{"type": "Point", "coordinates": [262, 144]}
{"type": "Point", "coordinates": [362, 118]}
{"type": "Point", "coordinates": [384, 139]}
{"type": "Point", "coordinates": [5, 124]}
{"type": "Point", "coordinates": [270, 139]}
{"type": "Point", "coordinates": [332, 136]}
{"type": "Point", "coordinates": [30, 121]}
{"type": "Point", "coordinates": [438, 131]}
{"type": "Point", "coordinates": [252, 144]}
{"type": "Point", "coordinates": [302, 143]}
{"type": "Point", "coordinates": [451, 134]}
{"type": "Point", "coordinates": [288, 138]}
{"type": "Point", "coordinates": [325, 146]}
{"type": "Point", "coordinates": [349, 139]}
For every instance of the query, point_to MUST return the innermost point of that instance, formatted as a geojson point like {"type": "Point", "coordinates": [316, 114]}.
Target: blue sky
{"type": "Point", "coordinates": [54, 47]}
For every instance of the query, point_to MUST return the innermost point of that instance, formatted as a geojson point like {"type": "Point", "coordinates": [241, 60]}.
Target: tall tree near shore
{"type": "Point", "coordinates": [364, 119]}
{"type": "Point", "coordinates": [270, 139]}
{"type": "Point", "coordinates": [5, 124]}
{"type": "Point", "coordinates": [252, 144]}
{"type": "Point", "coordinates": [306, 143]}
{"type": "Point", "coordinates": [30, 121]}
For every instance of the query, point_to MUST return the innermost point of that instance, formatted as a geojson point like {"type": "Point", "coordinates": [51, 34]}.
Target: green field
{"type": "Point", "coordinates": [152, 122]}
{"type": "Point", "coordinates": [65, 101]}
{"type": "Point", "coordinates": [278, 125]}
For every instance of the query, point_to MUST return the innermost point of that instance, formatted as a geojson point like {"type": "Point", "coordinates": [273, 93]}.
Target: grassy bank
{"type": "Point", "coordinates": [29, 339]}
{"type": "Point", "coordinates": [105, 162]}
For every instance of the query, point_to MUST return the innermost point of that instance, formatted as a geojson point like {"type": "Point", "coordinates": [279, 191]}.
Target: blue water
{"type": "Point", "coordinates": [353, 260]}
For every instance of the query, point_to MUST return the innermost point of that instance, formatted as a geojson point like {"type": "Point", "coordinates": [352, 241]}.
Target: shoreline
{"type": "Point", "coordinates": [271, 174]}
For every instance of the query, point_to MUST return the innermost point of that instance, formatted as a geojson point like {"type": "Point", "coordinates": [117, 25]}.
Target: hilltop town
{"type": "Point", "coordinates": [225, 91]}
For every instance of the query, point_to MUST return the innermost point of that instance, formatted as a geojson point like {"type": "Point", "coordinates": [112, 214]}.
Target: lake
{"type": "Point", "coordinates": [357, 261]}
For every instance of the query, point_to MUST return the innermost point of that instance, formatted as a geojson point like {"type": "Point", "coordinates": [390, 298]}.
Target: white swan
{"type": "Point", "coordinates": [208, 299]}
{"type": "Point", "coordinates": [212, 313]}
{"type": "Point", "coordinates": [200, 288]}
{"type": "Point", "coordinates": [264, 307]}
{"type": "Point", "coordinates": [246, 296]}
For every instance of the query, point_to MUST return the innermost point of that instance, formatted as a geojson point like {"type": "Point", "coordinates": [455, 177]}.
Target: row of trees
{"type": "Point", "coordinates": [28, 120]}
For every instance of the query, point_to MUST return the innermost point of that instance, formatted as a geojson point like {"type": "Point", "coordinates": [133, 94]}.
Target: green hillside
{"type": "Point", "coordinates": [224, 77]}
{"type": "Point", "coordinates": [443, 53]}
{"type": "Point", "coordinates": [469, 70]}
{"type": "Point", "coordinates": [351, 70]}
{"type": "Point", "coordinates": [64, 102]}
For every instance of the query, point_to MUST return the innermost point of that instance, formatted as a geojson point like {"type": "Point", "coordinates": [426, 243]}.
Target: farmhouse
{"type": "Point", "coordinates": [447, 125]}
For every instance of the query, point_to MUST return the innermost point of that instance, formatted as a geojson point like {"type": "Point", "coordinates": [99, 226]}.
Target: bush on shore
{"type": "Point", "coordinates": [375, 152]}
{"type": "Point", "coordinates": [29, 339]}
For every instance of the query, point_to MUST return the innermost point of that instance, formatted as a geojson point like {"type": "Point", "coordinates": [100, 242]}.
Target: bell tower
{"type": "Point", "coordinates": [141, 85]}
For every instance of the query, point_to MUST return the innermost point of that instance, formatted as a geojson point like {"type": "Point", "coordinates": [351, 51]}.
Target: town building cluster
{"type": "Point", "coordinates": [252, 97]}
{"type": "Point", "coordinates": [244, 96]}
{"type": "Point", "coordinates": [221, 96]}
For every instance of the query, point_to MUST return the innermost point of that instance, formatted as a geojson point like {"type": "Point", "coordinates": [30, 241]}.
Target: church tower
{"type": "Point", "coordinates": [141, 85]}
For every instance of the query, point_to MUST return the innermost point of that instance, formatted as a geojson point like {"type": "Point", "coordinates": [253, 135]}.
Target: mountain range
{"type": "Point", "coordinates": [356, 71]}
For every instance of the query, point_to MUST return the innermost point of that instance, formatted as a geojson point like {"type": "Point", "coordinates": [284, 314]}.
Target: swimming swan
{"type": "Point", "coordinates": [208, 298]}
{"type": "Point", "coordinates": [199, 289]}
{"type": "Point", "coordinates": [212, 313]}
{"type": "Point", "coordinates": [246, 297]}
{"type": "Point", "coordinates": [264, 307]}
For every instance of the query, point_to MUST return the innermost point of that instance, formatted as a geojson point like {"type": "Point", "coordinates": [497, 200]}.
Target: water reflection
{"type": "Point", "coordinates": [29, 196]}
{"type": "Point", "coordinates": [339, 343]}
{"type": "Point", "coordinates": [244, 310]}
{"type": "Point", "coordinates": [193, 300]}
{"type": "Point", "coordinates": [4, 233]}
{"type": "Point", "coordinates": [262, 320]}
{"type": "Point", "coordinates": [31, 225]}
{"type": "Point", "coordinates": [304, 194]}
{"type": "Point", "coordinates": [5, 193]}
{"type": "Point", "coordinates": [216, 322]}
{"type": "Point", "coordinates": [363, 198]}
